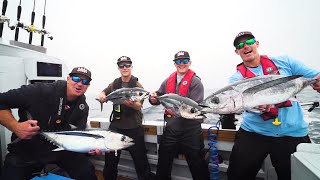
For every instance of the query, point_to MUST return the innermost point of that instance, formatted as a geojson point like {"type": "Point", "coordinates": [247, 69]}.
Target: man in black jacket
{"type": "Point", "coordinates": [127, 119]}
{"type": "Point", "coordinates": [52, 106]}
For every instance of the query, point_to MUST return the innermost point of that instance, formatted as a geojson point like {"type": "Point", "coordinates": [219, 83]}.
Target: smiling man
{"type": "Point", "coordinates": [45, 106]}
{"type": "Point", "coordinates": [278, 129]}
{"type": "Point", "coordinates": [126, 119]}
{"type": "Point", "coordinates": [180, 133]}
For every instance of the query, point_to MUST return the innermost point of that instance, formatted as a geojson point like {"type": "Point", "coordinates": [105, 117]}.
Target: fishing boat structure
{"type": "Point", "coordinates": [23, 64]}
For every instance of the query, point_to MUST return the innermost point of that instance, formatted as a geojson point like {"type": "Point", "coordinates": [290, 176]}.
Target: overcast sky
{"type": "Point", "coordinates": [96, 33]}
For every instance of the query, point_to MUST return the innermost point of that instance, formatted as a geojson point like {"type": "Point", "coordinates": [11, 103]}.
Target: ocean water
{"type": "Point", "coordinates": [155, 113]}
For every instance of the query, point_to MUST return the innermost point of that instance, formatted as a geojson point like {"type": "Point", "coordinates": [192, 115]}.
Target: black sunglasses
{"type": "Point", "coordinates": [124, 65]}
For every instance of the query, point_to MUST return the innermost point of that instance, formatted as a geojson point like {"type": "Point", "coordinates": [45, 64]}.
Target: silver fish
{"type": "Point", "coordinates": [248, 95]}
{"type": "Point", "coordinates": [132, 94]}
{"type": "Point", "coordinates": [182, 106]}
{"type": "Point", "coordinates": [85, 140]}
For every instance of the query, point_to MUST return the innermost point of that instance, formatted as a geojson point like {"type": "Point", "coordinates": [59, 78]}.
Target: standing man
{"type": "Point", "coordinates": [279, 128]}
{"type": "Point", "coordinates": [127, 119]}
{"type": "Point", "coordinates": [45, 106]}
{"type": "Point", "coordinates": [180, 132]}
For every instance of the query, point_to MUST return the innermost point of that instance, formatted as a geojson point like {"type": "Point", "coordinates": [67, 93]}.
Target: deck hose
{"type": "Point", "coordinates": [213, 152]}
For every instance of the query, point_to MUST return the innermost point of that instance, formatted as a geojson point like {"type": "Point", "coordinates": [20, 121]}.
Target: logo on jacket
{"type": "Point", "coordinates": [66, 107]}
{"type": "Point", "coordinates": [60, 106]}
{"type": "Point", "coordinates": [269, 69]}
{"type": "Point", "coordinates": [184, 83]}
{"type": "Point", "coordinates": [82, 106]}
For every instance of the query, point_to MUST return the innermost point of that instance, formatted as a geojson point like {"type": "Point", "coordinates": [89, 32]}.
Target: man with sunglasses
{"type": "Point", "coordinates": [42, 107]}
{"type": "Point", "coordinates": [126, 119]}
{"type": "Point", "coordinates": [278, 129]}
{"type": "Point", "coordinates": [180, 134]}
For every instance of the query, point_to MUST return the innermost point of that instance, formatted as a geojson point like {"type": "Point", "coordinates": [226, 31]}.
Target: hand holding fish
{"type": "Point", "coordinates": [102, 97]}
{"type": "Point", "coordinates": [316, 86]}
{"type": "Point", "coordinates": [153, 97]}
{"type": "Point", "coordinates": [265, 108]}
{"type": "Point", "coordinates": [26, 129]}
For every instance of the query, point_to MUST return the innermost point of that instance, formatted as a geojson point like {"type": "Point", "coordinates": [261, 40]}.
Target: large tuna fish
{"type": "Point", "coordinates": [83, 141]}
{"type": "Point", "coordinates": [120, 95]}
{"type": "Point", "coordinates": [182, 106]}
{"type": "Point", "coordinates": [132, 94]}
{"type": "Point", "coordinates": [251, 93]}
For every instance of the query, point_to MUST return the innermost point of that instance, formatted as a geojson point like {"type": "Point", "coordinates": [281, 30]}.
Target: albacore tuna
{"type": "Point", "coordinates": [91, 139]}
{"type": "Point", "coordinates": [182, 106]}
{"type": "Point", "coordinates": [251, 93]}
{"type": "Point", "coordinates": [133, 94]}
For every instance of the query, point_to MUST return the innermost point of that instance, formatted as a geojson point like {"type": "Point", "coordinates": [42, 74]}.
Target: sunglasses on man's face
{"type": "Point", "coordinates": [248, 42]}
{"type": "Point", "coordinates": [179, 61]}
{"type": "Point", "coordinates": [78, 79]}
{"type": "Point", "coordinates": [124, 65]}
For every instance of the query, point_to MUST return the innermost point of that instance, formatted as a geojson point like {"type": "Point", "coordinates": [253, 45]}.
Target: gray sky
{"type": "Point", "coordinates": [96, 33]}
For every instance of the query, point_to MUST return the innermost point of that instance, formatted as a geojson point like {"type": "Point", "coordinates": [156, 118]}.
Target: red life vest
{"type": "Point", "coordinates": [183, 88]}
{"type": "Point", "coordinates": [184, 85]}
{"type": "Point", "coordinates": [268, 67]}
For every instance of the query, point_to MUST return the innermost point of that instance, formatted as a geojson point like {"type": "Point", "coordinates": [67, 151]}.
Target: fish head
{"type": "Point", "coordinates": [182, 106]}
{"type": "Point", "coordinates": [191, 112]}
{"type": "Point", "coordinates": [117, 141]}
{"type": "Point", "coordinates": [223, 103]}
{"type": "Point", "coordinates": [139, 96]}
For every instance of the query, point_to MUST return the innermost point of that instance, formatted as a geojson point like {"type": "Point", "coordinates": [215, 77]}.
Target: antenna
{"type": "Point", "coordinates": [43, 21]}
{"type": "Point", "coordinates": [16, 35]}
{"type": "Point", "coordinates": [32, 28]}
{"type": "Point", "coordinates": [4, 9]}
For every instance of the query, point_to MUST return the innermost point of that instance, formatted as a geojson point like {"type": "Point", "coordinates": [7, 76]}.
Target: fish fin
{"type": "Point", "coordinates": [295, 100]}
{"type": "Point", "coordinates": [270, 84]}
{"type": "Point", "coordinates": [59, 149]}
{"type": "Point", "coordinates": [73, 126]}
{"type": "Point", "coordinates": [101, 104]}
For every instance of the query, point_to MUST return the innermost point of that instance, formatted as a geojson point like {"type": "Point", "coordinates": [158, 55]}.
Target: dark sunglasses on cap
{"type": "Point", "coordinates": [124, 65]}
{"type": "Point", "coordinates": [179, 61]}
{"type": "Point", "coordinates": [248, 42]}
{"type": "Point", "coordinates": [78, 79]}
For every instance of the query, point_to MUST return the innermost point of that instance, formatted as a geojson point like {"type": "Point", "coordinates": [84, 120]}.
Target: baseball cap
{"type": "Point", "coordinates": [182, 55]}
{"type": "Point", "coordinates": [124, 59]}
{"type": "Point", "coordinates": [243, 33]}
{"type": "Point", "coordinates": [81, 70]}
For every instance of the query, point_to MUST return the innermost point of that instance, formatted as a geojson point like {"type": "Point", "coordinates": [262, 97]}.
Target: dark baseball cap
{"type": "Point", "coordinates": [182, 55]}
{"type": "Point", "coordinates": [81, 70]}
{"type": "Point", "coordinates": [124, 59]}
{"type": "Point", "coordinates": [243, 33]}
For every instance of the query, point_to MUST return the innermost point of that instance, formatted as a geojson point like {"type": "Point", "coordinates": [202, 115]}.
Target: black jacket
{"type": "Point", "coordinates": [46, 103]}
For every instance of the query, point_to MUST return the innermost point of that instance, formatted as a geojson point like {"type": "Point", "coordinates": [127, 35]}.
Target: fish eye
{"type": "Point", "coordinates": [193, 110]}
{"type": "Point", "coordinates": [140, 93]}
{"type": "Point", "coordinates": [215, 100]}
{"type": "Point", "coordinates": [123, 138]}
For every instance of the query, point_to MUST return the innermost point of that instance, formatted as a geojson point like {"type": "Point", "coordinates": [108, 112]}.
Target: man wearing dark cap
{"type": "Point", "coordinates": [181, 134]}
{"type": "Point", "coordinates": [127, 119]}
{"type": "Point", "coordinates": [42, 107]}
{"type": "Point", "coordinates": [278, 129]}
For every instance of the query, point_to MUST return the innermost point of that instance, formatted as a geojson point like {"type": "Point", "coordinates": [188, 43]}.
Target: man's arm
{"type": "Point", "coordinates": [24, 130]}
